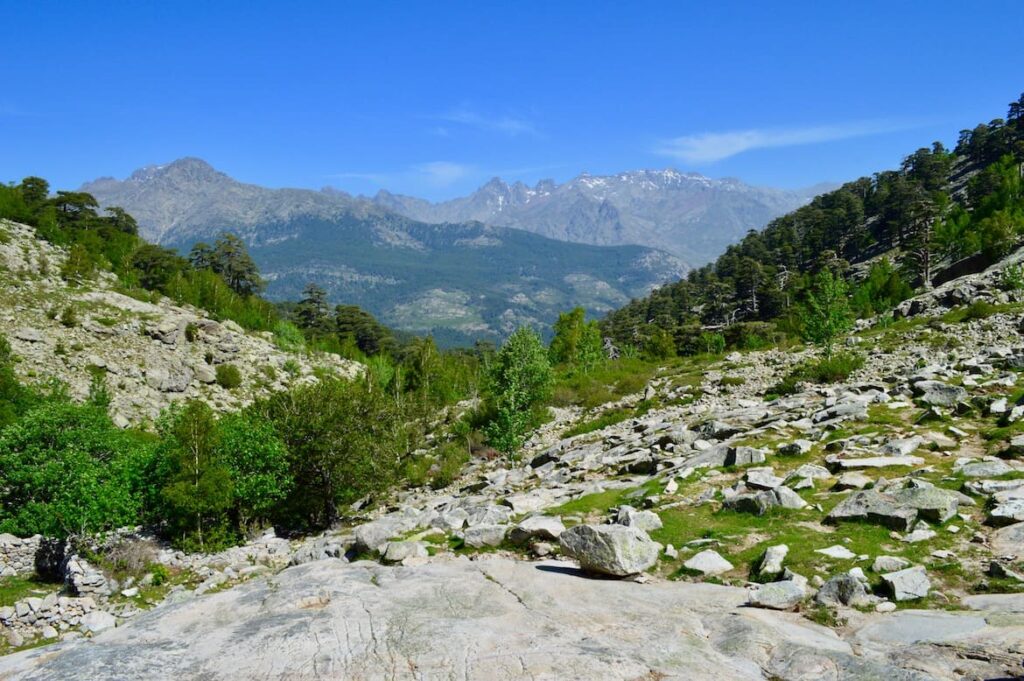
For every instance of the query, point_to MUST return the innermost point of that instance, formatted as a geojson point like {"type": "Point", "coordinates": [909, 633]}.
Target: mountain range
{"type": "Point", "coordinates": [460, 281]}
{"type": "Point", "coordinates": [691, 216]}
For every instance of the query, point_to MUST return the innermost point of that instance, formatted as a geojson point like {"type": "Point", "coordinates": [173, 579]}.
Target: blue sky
{"type": "Point", "coordinates": [434, 98]}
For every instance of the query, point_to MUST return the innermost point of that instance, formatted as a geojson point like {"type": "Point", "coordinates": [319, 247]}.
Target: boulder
{"type": "Point", "coordinates": [481, 536]}
{"type": "Point", "coordinates": [939, 394]}
{"type": "Point", "coordinates": [610, 549]}
{"type": "Point", "coordinates": [932, 503]}
{"type": "Point", "coordinates": [708, 562]}
{"type": "Point", "coordinates": [374, 535]}
{"type": "Point", "coordinates": [908, 584]}
{"type": "Point", "coordinates": [874, 507]}
{"type": "Point", "coordinates": [97, 621]}
{"type": "Point", "coordinates": [985, 469]}
{"type": "Point", "coordinates": [771, 563]}
{"type": "Point", "coordinates": [1007, 513]}
{"type": "Point", "coordinates": [776, 595]}
{"type": "Point", "coordinates": [889, 564]}
{"type": "Point", "coordinates": [744, 456]}
{"type": "Point", "coordinates": [844, 589]}
{"type": "Point", "coordinates": [537, 527]}
{"type": "Point", "coordinates": [400, 551]}
{"type": "Point", "coordinates": [648, 521]}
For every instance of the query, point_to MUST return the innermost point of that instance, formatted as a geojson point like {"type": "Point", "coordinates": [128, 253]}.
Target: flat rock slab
{"type": "Point", "coordinates": [492, 618]}
{"type": "Point", "coordinates": [919, 626]}
{"type": "Point", "coordinates": [877, 462]}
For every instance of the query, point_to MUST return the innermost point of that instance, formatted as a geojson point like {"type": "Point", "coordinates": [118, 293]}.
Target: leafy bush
{"type": "Point", "coordinates": [519, 380]}
{"type": "Point", "coordinates": [979, 309]}
{"type": "Point", "coordinates": [257, 460]}
{"type": "Point", "coordinates": [66, 469]}
{"type": "Point", "coordinates": [228, 376]}
{"type": "Point", "coordinates": [832, 369]}
{"type": "Point", "coordinates": [69, 317]}
{"type": "Point", "coordinates": [1012, 278]}
{"type": "Point", "coordinates": [344, 440]}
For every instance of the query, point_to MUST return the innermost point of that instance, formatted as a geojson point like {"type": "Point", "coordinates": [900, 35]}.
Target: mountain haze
{"type": "Point", "coordinates": [461, 281]}
{"type": "Point", "coordinates": [686, 214]}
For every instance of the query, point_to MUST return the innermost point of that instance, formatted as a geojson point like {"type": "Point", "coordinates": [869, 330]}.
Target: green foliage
{"type": "Point", "coordinates": [257, 460]}
{"type": "Point", "coordinates": [979, 309]}
{"type": "Point", "coordinates": [519, 380]}
{"type": "Point", "coordinates": [66, 469]}
{"type": "Point", "coordinates": [229, 376]}
{"type": "Point", "coordinates": [827, 312]}
{"type": "Point", "coordinates": [69, 317]}
{"type": "Point", "coordinates": [830, 369]}
{"type": "Point", "coordinates": [208, 290]}
{"type": "Point", "coordinates": [1012, 278]}
{"type": "Point", "coordinates": [344, 440]}
{"type": "Point", "coordinates": [156, 266]}
{"type": "Point", "coordinates": [288, 337]}
{"type": "Point", "coordinates": [605, 419]}
{"type": "Point", "coordinates": [577, 343]}
{"type": "Point", "coordinates": [659, 344]}
{"type": "Point", "coordinates": [198, 488]}
{"type": "Point", "coordinates": [712, 343]}
{"type": "Point", "coordinates": [880, 291]}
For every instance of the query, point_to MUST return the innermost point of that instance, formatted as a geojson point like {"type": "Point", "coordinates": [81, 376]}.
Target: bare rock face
{"type": "Point", "coordinates": [151, 354]}
{"type": "Point", "coordinates": [490, 619]}
{"type": "Point", "coordinates": [610, 549]}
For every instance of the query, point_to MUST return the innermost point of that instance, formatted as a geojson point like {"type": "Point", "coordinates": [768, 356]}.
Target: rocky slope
{"type": "Point", "coordinates": [867, 529]}
{"type": "Point", "coordinates": [151, 354]}
{"type": "Point", "coordinates": [686, 214]}
{"type": "Point", "coordinates": [465, 279]}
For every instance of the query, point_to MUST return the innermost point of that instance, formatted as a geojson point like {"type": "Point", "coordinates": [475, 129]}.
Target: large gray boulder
{"type": "Point", "coordinates": [610, 549]}
{"type": "Point", "coordinates": [777, 595]}
{"type": "Point", "coordinates": [939, 394]}
{"type": "Point", "coordinates": [874, 507]}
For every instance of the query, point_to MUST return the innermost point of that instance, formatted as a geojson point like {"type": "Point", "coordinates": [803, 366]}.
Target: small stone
{"type": "Point", "coordinates": [708, 562]}
{"type": "Point", "coordinates": [838, 552]}
{"type": "Point", "coordinates": [889, 564]}
{"type": "Point", "coordinates": [885, 606]}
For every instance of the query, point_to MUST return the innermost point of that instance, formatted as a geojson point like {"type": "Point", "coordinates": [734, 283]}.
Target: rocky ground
{"type": "Point", "coordinates": [870, 529]}
{"type": "Point", "coordinates": [152, 353]}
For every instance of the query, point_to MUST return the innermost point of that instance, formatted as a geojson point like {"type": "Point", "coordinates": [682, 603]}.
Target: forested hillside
{"type": "Point", "coordinates": [942, 212]}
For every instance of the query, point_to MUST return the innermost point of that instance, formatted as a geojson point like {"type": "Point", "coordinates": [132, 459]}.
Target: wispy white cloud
{"type": "Point", "coordinates": [504, 124]}
{"type": "Point", "coordinates": [433, 174]}
{"type": "Point", "coordinates": [715, 146]}
{"type": "Point", "coordinates": [443, 173]}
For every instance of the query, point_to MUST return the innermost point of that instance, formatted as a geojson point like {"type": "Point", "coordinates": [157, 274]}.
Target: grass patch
{"type": "Point", "coordinates": [605, 419]}
{"type": "Point", "coordinates": [13, 589]}
{"type": "Point", "coordinates": [832, 369]}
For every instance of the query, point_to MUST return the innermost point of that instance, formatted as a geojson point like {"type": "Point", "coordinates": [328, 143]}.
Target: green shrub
{"type": "Point", "coordinates": [344, 440]}
{"type": "Point", "coordinates": [979, 309]}
{"type": "Point", "coordinates": [228, 376]}
{"type": "Point", "coordinates": [69, 317]}
{"type": "Point", "coordinates": [450, 461]}
{"type": "Point", "coordinates": [832, 369]}
{"type": "Point", "coordinates": [288, 337]}
{"type": "Point", "coordinates": [1012, 278]}
{"type": "Point", "coordinates": [191, 332]}
{"type": "Point", "coordinates": [66, 469]}
{"type": "Point", "coordinates": [160, 574]}
{"type": "Point", "coordinates": [519, 380]}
